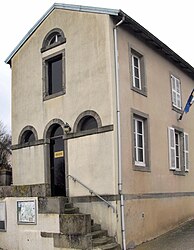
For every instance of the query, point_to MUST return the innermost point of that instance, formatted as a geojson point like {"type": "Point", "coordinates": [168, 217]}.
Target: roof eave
{"type": "Point", "coordinates": [159, 46]}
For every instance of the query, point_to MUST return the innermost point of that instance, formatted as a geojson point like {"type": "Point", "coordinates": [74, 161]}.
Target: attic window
{"type": "Point", "coordinates": [54, 38]}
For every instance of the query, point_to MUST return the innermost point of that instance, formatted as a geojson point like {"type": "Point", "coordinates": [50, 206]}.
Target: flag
{"type": "Point", "coordinates": [189, 102]}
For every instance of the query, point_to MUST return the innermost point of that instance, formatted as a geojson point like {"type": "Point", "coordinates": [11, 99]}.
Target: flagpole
{"type": "Point", "coordinates": [181, 116]}
{"type": "Point", "coordinates": [188, 105]}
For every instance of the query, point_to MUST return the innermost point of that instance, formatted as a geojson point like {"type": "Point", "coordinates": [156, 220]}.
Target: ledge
{"type": "Point", "coordinates": [100, 130]}
{"type": "Point", "coordinates": [39, 190]}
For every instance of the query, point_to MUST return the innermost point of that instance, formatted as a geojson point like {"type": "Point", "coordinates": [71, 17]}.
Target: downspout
{"type": "Point", "coordinates": [119, 134]}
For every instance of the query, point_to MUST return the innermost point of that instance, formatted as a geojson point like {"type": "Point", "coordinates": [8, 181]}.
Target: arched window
{"type": "Point", "coordinates": [27, 135]}
{"type": "Point", "coordinates": [54, 38]}
{"type": "Point", "coordinates": [53, 65]}
{"type": "Point", "coordinates": [56, 131]}
{"type": "Point", "coordinates": [87, 120]}
{"type": "Point", "coordinates": [54, 128]}
{"type": "Point", "coordinates": [86, 123]}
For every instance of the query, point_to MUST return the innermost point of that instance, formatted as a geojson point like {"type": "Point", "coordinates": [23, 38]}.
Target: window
{"type": "Point", "coordinates": [176, 92]}
{"type": "Point", "coordinates": [138, 76]}
{"type": "Point", "coordinates": [54, 75]}
{"type": "Point", "coordinates": [87, 123]}
{"type": "Point", "coordinates": [54, 38]}
{"type": "Point", "coordinates": [54, 68]}
{"type": "Point", "coordinates": [140, 141]}
{"type": "Point", "coordinates": [139, 146]}
{"type": "Point", "coordinates": [87, 120]}
{"type": "Point", "coordinates": [53, 65]}
{"type": "Point", "coordinates": [28, 136]}
{"type": "Point", "coordinates": [178, 150]}
{"type": "Point", "coordinates": [136, 72]}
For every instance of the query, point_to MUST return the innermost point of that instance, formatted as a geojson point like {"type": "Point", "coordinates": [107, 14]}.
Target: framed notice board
{"type": "Point", "coordinates": [26, 212]}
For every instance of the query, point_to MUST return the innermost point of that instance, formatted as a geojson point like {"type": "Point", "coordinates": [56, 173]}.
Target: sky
{"type": "Point", "coordinates": [171, 21]}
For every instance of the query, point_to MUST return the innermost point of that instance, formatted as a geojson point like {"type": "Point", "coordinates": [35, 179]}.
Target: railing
{"type": "Point", "coordinates": [92, 192]}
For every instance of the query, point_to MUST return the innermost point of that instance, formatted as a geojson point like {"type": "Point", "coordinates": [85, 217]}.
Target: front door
{"type": "Point", "coordinates": [57, 166]}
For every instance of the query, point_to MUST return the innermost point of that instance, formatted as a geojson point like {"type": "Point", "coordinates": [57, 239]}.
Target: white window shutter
{"type": "Point", "coordinates": [171, 141]}
{"type": "Point", "coordinates": [173, 87]}
{"type": "Point", "coordinates": [186, 152]}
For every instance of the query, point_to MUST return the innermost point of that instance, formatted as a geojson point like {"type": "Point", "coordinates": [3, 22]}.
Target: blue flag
{"type": "Point", "coordinates": [189, 102]}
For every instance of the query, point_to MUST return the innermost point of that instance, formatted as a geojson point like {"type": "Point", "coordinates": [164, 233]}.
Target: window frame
{"type": "Point", "coordinates": [176, 95]}
{"type": "Point", "coordinates": [183, 150]}
{"type": "Point", "coordinates": [45, 70]}
{"type": "Point", "coordinates": [145, 164]}
{"type": "Point", "coordinates": [46, 45]}
{"type": "Point", "coordinates": [24, 131]}
{"type": "Point", "coordinates": [141, 71]}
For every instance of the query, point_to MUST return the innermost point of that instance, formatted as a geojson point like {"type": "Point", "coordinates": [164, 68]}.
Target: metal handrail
{"type": "Point", "coordinates": [92, 192]}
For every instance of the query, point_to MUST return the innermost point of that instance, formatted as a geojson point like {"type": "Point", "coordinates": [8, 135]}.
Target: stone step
{"type": "Point", "coordinates": [102, 241]}
{"type": "Point", "coordinates": [99, 233]}
{"type": "Point", "coordinates": [75, 224]}
{"type": "Point", "coordinates": [95, 227]}
{"type": "Point", "coordinates": [68, 205]}
{"type": "Point", "coordinates": [110, 246]}
{"type": "Point", "coordinates": [71, 210]}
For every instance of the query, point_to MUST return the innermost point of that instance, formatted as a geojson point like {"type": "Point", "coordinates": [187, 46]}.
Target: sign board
{"type": "Point", "coordinates": [26, 212]}
{"type": "Point", "coordinates": [2, 216]}
{"type": "Point", "coordinates": [58, 154]}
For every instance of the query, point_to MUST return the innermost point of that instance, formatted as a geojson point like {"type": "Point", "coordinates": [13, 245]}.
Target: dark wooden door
{"type": "Point", "coordinates": [57, 167]}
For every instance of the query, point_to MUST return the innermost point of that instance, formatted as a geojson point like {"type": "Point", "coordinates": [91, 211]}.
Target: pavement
{"type": "Point", "coordinates": [181, 238]}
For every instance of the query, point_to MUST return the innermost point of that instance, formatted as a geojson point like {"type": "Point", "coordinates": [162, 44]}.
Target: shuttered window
{"type": "Point", "coordinates": [186, 152]}
{"type": "Point", "coordinates": [178, 150]}
{"type": "Point", "coordinates": [176, 92]}
{"type": "Point", "coordinates": [172, 148]}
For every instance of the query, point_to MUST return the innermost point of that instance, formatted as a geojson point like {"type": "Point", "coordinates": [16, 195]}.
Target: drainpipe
{"type": "Point", "coordinates": [119, 134]}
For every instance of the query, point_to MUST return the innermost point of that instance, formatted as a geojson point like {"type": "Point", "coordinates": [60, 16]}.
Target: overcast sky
{"type": "Point", "coordinates": [172, 21]}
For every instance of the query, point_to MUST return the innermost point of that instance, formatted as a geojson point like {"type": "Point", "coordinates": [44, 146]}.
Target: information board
{"type": "Point", "coordinates": [26, 212]}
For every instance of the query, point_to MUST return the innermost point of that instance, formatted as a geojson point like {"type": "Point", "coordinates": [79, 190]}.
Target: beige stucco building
{"type": "Point", "coordinates": [96, 101]}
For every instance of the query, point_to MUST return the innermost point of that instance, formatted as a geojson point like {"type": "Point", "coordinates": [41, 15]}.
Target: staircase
{"type": "Point", "coordinates": [77, 230]}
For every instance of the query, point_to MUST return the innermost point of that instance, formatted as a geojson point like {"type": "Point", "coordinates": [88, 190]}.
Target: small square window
{"type": "Point", "coordinates": [176, 93]}
{"type": "Point", "coordinates": [137, 72]}
{"type": "Point", "coordinates": [54, 75]}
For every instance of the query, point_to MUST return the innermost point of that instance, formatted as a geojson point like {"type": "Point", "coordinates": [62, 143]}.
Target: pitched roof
{"type": "Point", "coordinates": [134, 27]}
{"type": "Point", "coordinates": [64, 7]}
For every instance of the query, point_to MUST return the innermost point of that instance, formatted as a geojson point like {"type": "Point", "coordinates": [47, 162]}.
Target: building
{"type": "Point", "coordinates": [96, 101]}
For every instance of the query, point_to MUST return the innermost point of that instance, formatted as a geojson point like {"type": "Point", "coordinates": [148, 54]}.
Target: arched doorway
{"type": "Point", "coordinates": [57, 161]}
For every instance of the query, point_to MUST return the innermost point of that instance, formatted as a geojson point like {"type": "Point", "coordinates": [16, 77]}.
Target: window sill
{"type": "Point", "coordinates": [141, 168]}
{"type": "Point", "coordinates": [139, 91]}
{"type": "Point", "coordinates": [28, 144]}
{"type": "Point", "coordinates": [180, 111]}
{"type": "Point", "coordinates": [179, 173]}
{"type": "Point", "coordinates": [48, 97]}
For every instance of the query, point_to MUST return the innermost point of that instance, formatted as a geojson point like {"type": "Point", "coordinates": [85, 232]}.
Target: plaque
{"type": "Point", "coordinates": [58, 154]}
{"type": "Point", "coordinates": [26, 212]}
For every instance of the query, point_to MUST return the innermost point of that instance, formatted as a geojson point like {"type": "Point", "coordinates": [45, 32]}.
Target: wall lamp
{"type": "Point", "coordinates": [67, 128]}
